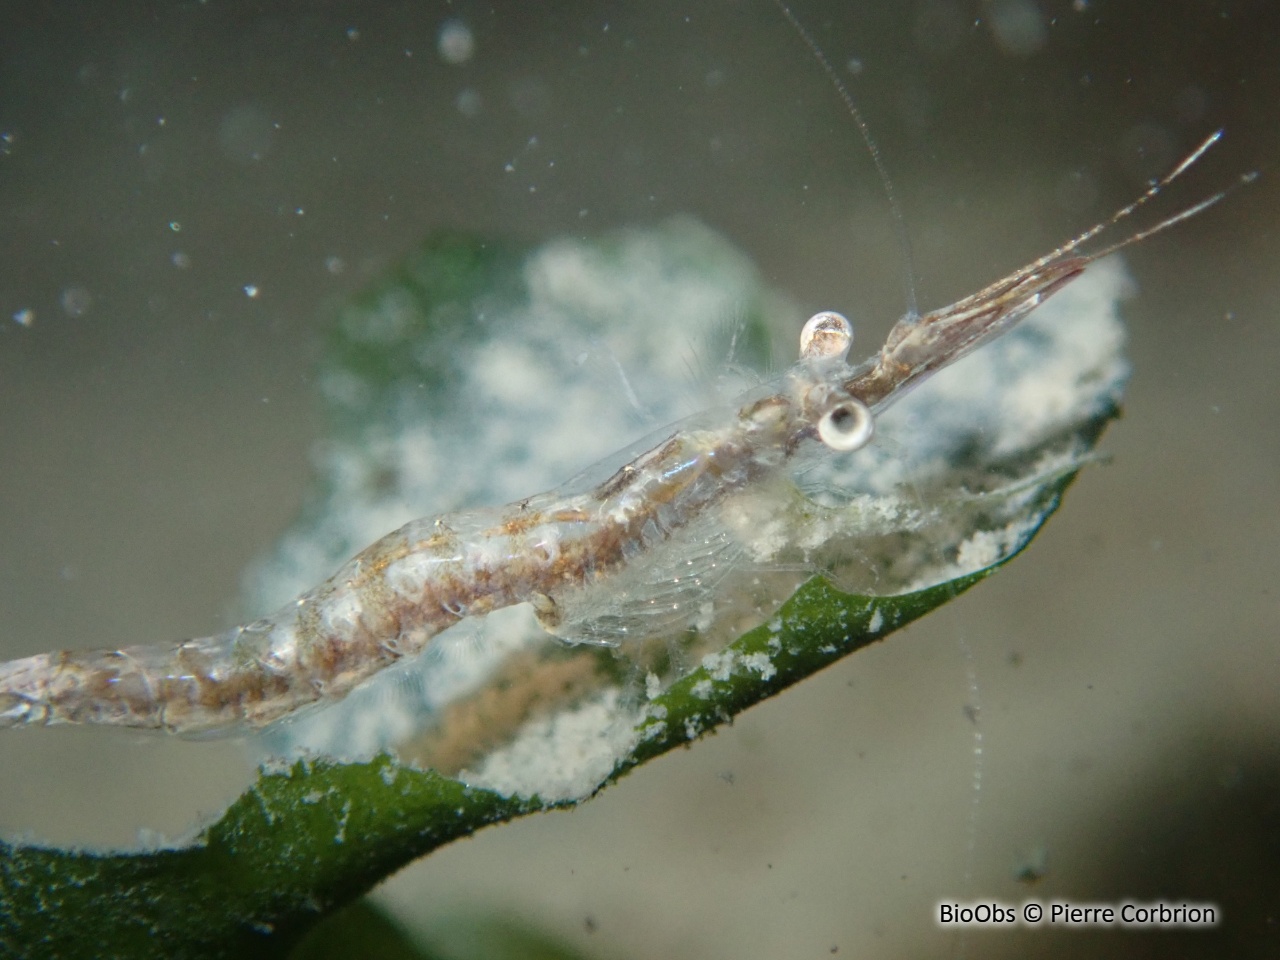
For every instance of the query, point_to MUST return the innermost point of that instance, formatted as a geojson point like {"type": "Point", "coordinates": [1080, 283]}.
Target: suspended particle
{"type": "Point", "coordinates": [76, 301]}
{"type": "Point", "coordinates": [456, 43]}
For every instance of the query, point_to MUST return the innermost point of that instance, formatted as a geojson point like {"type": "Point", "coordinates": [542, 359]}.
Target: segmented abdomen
{"type": "Point", "coordinates": [383, 605]}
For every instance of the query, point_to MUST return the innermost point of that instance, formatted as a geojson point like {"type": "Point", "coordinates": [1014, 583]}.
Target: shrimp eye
{"type": "Point", "coordinates": [847, 426]}
{"type": "Point", "coordinates": [827, 334]}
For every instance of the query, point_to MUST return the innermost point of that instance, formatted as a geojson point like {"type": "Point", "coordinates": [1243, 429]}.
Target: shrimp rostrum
{"type": "Point", "coordinates": [556, 551]}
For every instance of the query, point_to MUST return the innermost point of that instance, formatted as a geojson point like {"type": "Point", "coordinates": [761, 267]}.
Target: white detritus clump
{"type": "Point", "coordinates": [760, 663]}
{"type": "Point", "coordinates": [758, 524]}
{"type": "Point", "coordinates": [703, 689]}
{"type": "Point", "coordinates": [340, 833]}
{"type": "Point", "coordinates": [876, 621]}
{"type": "Point", "coordinates": [562, 757]}
{"type": "Point", "coordinates": [652, 685]}
{"type": "Point", "coordinates": [987, 546]}
{"type": "Point", "coordinates": [148, 840]}
{"type": "Point", "coordinates": [979, 551]}
{"type": "Point", "coordinates": [389, 772]}
{"type": "Point", "coordinates": [719, 665]}
{"type": "Point", "coordinates": [654, 731]}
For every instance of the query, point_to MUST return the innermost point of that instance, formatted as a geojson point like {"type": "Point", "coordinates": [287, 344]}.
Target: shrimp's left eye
{"type": "Point", "coordinates": [827, 335]}
{"type": "Point", "coordinates": [847, 426]}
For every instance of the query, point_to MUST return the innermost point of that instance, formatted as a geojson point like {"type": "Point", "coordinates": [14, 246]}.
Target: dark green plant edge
{"type": "Point", "coordinates": [364, 930]}
{"type": "Point", "coordinates": [361, 929]}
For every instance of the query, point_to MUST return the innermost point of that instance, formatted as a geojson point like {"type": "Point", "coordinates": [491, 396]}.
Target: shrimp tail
{"type": "Point", "coordinates": [191, 687]}
{"type": "Point", "coordinates": [93, 686]}
{"type": "Point", "coordinates": [383, 605]}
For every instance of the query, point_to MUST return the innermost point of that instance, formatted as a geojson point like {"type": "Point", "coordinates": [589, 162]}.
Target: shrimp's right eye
{"type": "Point", "coordinates": [847, 426]}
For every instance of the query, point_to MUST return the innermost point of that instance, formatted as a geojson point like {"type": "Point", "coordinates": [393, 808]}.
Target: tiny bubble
{"type": "Point", "coordinates": [251, 291]}
{"type": "Point", "coordinates": [1018, 27]}
{"type": "Point", "coordinates": [25, 317]}
{"type": "Point", "coordinates": [456, 43]}
{"type": "Point", "coordinates": [175, 226]}
{"type": "Point", "coordinates": [160, 121]}
{"type": "Point", "coordinates": [300, 211]}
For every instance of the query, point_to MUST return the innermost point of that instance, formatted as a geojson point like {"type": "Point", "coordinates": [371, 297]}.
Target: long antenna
{"type": "Point", "coordinates": [1153, 190]}
{"type": "Point", "coordinates": [899, 221]}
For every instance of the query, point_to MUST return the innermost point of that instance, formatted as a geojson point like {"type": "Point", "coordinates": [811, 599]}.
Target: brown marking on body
{"type": "Point", "coordinates": [615, 483]}
{"type": "Point", "coordinates": [514, 526]}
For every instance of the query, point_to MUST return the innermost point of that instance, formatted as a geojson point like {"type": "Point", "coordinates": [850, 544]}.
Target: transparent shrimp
{"type": "Point", "coordinates": [603, 559]}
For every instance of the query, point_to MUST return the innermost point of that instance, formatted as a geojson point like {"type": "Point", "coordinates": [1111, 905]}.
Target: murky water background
{"type": "Point", "coordinates": [188, 190]}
